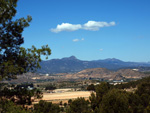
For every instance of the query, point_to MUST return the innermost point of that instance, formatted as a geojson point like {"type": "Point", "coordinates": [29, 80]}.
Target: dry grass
{"type": "Point", "coordinates": [65, 95]}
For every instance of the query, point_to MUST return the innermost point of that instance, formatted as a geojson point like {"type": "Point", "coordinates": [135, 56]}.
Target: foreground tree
{"type": "Point", "coordinates": [100, 90]}
{"type": "Point", "coordinates": [135, 103]}
{"type": "Point", "coordinates": [15, 59]}
{"type": "Point", "coordinates": [143, 91]}
{"type": "Point", "coordinates": [46, 107]}
{"type": "Point", "coordinates": [115, 101]}
{"type": "Point", "coordinates": [91, 87]}
{"type": "Point", "coordinates": [9, 107]}
{"type": "Point", "coordinates": [79, 105]}
{"type": "Point", "coordinates": [20, 95]}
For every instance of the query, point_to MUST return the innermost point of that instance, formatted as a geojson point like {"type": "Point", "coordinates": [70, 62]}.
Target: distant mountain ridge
{"type": "Point", "coordinates": [72, 65]}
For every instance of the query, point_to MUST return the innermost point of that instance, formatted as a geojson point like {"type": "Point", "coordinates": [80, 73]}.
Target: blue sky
{"type": "Point", "coordinates": [89, 29]}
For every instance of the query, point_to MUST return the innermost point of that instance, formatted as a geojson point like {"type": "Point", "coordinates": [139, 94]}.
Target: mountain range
{"type": "Point", "coordinates": [72, 65]}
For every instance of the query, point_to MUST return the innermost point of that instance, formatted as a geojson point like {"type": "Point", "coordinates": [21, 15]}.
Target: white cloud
{"type": "Point", "coordinates": [101, 49]}
{"type": "Point", "coordinates": [82, 39]}
{"type": "Point", "coordinates": [66, 27]}
{"type": "Point", "coordinates": [95, 26]}
{"type": "Point", "coordinates": [90, 25]}
{"type": "Point", "coordinates": [75, 40]}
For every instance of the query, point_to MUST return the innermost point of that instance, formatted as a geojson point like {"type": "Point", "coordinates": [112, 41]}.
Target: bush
{"type": "Point", "coordinates": [46, 107]}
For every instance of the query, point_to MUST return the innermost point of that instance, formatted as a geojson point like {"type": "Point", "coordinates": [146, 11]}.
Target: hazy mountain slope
{"type": "Point", "coordinates": [72, 64]}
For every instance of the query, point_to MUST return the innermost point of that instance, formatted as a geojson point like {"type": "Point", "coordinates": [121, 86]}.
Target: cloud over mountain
{"type": "Point", "coordinates": [90, 25]}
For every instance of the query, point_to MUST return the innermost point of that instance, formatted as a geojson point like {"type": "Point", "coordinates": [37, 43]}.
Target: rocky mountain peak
{"type": "Point", "coordinates": [70, 58]}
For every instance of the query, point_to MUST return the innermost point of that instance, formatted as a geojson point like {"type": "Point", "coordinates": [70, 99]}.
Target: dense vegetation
{"type": "Point", "coordinates": [50, 87]}
{"type": "Point", "coordinates": [133, 84]}
{"type": "Point", "coordinates": [20, 94]}
{"type": "Point", "coordinates": [105, 99]}
{"type": "Point", "coordinates": [110, 99]}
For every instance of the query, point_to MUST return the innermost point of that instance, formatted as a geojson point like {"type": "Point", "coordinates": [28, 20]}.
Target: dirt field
{"type": "Point", "coordinates": [65, 96]}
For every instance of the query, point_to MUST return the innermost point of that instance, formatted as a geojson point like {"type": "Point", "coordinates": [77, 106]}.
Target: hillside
{"type": "Point", "coordinates": [72, 65]}
{"type": "Point", "coordinates": [102, 73]}
{"type": "Point", "coordinates": [93, 73]}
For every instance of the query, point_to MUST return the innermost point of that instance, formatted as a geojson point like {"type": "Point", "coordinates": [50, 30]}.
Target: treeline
{"type": "Point", "coordinates": [23, 94]}
{"type": "Point", "coordinates": [133, 84]}
{"type": "Point", "coordinates": [109, 99]}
